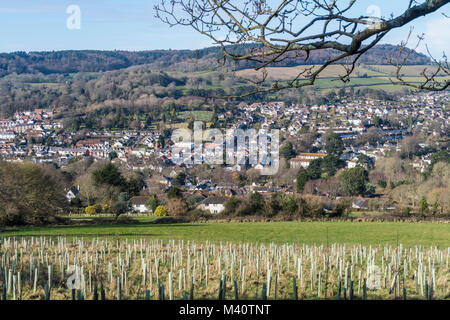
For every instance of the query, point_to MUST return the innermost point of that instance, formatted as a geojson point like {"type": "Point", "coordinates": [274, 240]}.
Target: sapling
{"type": "Point", "coordinates": [294, 288]}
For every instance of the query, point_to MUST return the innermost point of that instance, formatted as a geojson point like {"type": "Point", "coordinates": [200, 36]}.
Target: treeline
{"type": "Point", "coordinates": [283, 206]}
{"type": "Point", "coordinates": [73, 61]}
{"type": "Point", "coordinates": [35, 194]}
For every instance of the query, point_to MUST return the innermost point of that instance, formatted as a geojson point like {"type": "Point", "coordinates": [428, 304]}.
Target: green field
{"type": "Point", "coordinates": [198, 115]}
{"type": "Point", "coordinates": [376, 233]}
{"type": "Point", "coordinates": [364, 76]}
{"type": "Point", "coordinates": [319, 256]}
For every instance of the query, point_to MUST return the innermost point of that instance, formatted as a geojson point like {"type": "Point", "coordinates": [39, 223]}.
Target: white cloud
{"type": "Point", "coordinates": [437, 37]}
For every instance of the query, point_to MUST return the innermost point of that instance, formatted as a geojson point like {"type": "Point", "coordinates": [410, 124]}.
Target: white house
{"type": "Point", "coordinates": [351, 163]}
{"type": "Point", "coordinates": [214, 204]}
{"type": "Point", "coordinates": [304, 159]}
{"type": "Point", "coordinates": [139, 204]}
{"type": "Point", "coordinates": [361, 204]}
{"type": "Point", "coordinates": [7, 135]}
{"type": "Point", "coordinates": [73, 193]}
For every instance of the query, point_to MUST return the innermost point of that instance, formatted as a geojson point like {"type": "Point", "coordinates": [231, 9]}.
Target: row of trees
{"type": "Point", "coordinates": [36, 194]}
{"type": "Point", "coordinates": [282, 205]}
{"type": "Point", "coordinates": [252, 204]}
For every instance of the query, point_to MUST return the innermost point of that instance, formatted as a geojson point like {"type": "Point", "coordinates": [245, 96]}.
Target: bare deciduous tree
{"type": "Point", "coordinates": [432, 80]}
{"type": "Point", "coordinates": [289, 29]}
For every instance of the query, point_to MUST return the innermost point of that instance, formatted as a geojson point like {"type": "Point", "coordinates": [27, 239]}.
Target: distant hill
{"type": "Point", "coordinates": [72, 61]}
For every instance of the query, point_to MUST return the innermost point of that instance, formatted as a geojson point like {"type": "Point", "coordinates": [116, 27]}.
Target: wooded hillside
{"type": "Point", "coordinates": [172, 60]}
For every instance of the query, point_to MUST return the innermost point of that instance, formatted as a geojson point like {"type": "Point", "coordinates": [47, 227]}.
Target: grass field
{"type": "Point", "coordinates": [145, 258]}
{"type": "Point", "coordinates": [409, 234]}
{"type": "Point", "coordinates": [286, 73]}
{"type": "Point", "coordinates": [364, 76]}
{"type": "Point", "coordinates": [198, 115]}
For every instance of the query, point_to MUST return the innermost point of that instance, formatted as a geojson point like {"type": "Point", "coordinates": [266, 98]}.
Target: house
{"type": "Point", "coordinates": [296, 163]}
{"type": "Point", "coordinates": [389, 206]}
{"type": "Point", "coordinates": [311, 156]}
{"type": "Point", "coordinates": [361, 204]}
{"type": "Point", "coordinates": [89, 143]}
{"type": "Point", "coordinates": [139, 204]}
{"type": "Point", "coordinates": [352, 163]}
{"type": "Point", "coordinates": [7, 135]}
{"type": "Point", "coordinates": [166, 181]}
{"type": "Point", "coordinates": [229, 192]}
{"type": "Point", "coordinates": [73, 193]}
{"type": "Point", "coordinates": [214, 204]}
{"type": "Point", "coordinates": [303, 159]}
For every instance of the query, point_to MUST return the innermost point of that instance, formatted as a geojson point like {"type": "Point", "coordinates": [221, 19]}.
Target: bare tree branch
{"type": "Point", "coordinates": [292, 29]}
{"type": "Point", "coordinates": [433, 77]}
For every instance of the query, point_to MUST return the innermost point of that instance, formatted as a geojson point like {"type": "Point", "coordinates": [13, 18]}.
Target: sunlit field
{"type": "Point", "coordinates": [141, 268]}
{"type": "Point", "coordinates": [375, 233]}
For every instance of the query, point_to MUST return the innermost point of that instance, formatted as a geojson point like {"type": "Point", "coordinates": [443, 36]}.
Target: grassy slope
{"type": "Point", "coordinates": [378, 76]}
{"type": "Point", "coordinates": [409, 234]}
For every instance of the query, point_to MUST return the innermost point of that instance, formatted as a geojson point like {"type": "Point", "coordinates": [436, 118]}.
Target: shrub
{"type": "Point", "coordinates": [174, 192]}
{"type": "Point", "coordinates": [407, 211]}
{"type": "Point", "coordinates": [91, 210]}
{"type": "Point", "coordinates": [289, 205]}
{"type": "Point", "coordinates": [315, 208]}
{"type": "Point", "coordinates": [343, 208]}
{"type": "Point", "coordinates": [120, 207]}
{"type": "Point", "coordinates": [272, 206]}
{"type": "Point", "coordinates": [161, 211]}
{"type": "Point", "coordinates": [253, 204]}
{"type": "Point", "coordinates": [423, 205]}
{"type": "Point", "coordinates": [124, 197]}
{"type": "Point", "coordinates": [302, 178]}
{"type": "Point", "coordinates": [98, 208]}
{"type": "Point", "coordinates": [231, 205]}
{"type": "Point", "coordinates": [152, 203]}
{"type": "Point", "coordinates": [193, 200]}
{"type": "Point", "coordinates": [382, 183]}
{"type": "Point", "coordinates": [106, 208]}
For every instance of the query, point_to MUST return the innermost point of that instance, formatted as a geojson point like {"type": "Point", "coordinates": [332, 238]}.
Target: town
{"type": "Point", "coordinates": [367, 127]}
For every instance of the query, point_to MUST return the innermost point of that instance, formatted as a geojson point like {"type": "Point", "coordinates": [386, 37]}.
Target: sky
{"type": "Point", "coordinates": [42, 25]}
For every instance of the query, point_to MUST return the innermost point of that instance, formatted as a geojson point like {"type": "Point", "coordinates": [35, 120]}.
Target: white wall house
{"type": "Point", "coordinates": [304, 159]}
{"type": "Point", "coordinates": [351, 164]}
{"type": "Point", "coordinates": [139, 204]}
{"type": "Point", "coordinates": [215, 205]}
{"type": "Point", "coordinates": [73, 193]}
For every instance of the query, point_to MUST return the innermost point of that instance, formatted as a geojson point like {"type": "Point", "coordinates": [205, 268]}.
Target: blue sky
{"type": "Point", "coordinates": [36, 25]}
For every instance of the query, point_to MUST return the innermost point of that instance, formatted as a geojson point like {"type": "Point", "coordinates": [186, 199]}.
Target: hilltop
{"type": "Point", "coordinates": [73, 61]}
